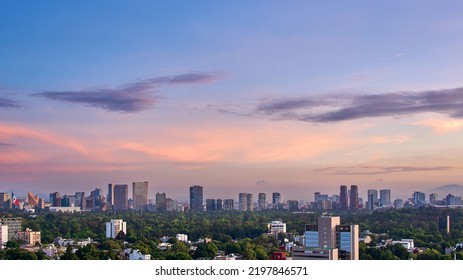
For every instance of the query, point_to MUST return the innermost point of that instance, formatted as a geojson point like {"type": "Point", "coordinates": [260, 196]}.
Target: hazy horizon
{"type": "Point", "coordinates": [249, 96]}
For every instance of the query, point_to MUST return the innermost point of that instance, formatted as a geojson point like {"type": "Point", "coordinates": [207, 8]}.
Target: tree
{"type": "Point", "coordinates": [249, 254]}
{"type": "Point", "coordinates": [68, 254]}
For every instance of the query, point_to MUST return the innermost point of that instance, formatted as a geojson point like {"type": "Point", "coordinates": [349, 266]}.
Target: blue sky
{"type": "Point", "coordinates": [226, 94]}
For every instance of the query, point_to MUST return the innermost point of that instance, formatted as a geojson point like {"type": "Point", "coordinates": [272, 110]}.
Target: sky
{"type": "Point", "coordinates": [237, 96]}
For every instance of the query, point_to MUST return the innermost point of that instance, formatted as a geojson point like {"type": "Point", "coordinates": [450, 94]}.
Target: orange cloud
{"type": "Point", "coordinates": [441, 125]}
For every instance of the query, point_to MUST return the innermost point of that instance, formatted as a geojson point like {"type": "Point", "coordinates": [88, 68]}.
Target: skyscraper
{"type": "Point", "coordinates": [262, 201]}
{"type": "Point", "coordinates": [385, 197]}
{"type": "Point", "coordinates": [161, 202]}
{"type": "Point", "coordinates": [110, 197]}
{"type": "Point", "coordinates": [344, 201]}
{"type": "Point", "coordinates": [196, 198]}
{"type": "Point", "coordinates": [276, 200]}
{"type": "Point", "coordinates": [211, 204]}
{"type": "Point", "coordinates": [250, 202]}
{"type": "Point", "coordinates": [243, 201]}
{"type": "Point", "coordinates": [354, 197]}
{"type": "Point", "coordinates": [372, 196]}
{"type": "Point", "coordinates": [140, 195]}
{"type": "Point", "coordinates": [121, 197]}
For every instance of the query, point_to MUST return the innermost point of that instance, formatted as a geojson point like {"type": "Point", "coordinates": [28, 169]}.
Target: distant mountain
{"type": "Point", "coordinates": [443, 191]}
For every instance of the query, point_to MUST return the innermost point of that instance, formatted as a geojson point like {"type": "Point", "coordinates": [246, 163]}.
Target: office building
{"type": "Point", "coordinates": [211, 205]}
{"type": "Point", "coordinates": [110, 197]}
{"type": "Point", "coordinates": [372, 199]}
{"type": "Point", "coordinates": [343, 198]}
{"type": "Point", "coordinates": [196, 198]}
{"type": "Point", "coordinates": [293, 205]}
{"type": "Point", "coordinates": [114, 227]}
{"type": "Point", "coordinates": [354, 197]}
{"type": "Point", "coordinates": [121, 197]}
{"type": "Point", "coordinates": [330, 234]}
{"type": "Point", "coordinates": [140, 195]}
{"type": "Point", "coordinates": [55, 199]}
{"type": "Point", "coordinates": [419, 199]}
{"type": "Point", "coordinates": [276, 201]}
{"type": "Point", "coordinates": [385, 198]}
{"type": "Point", "coordinates": [219, 204]}
{"type": "Point", "coordinates": [161, 202]}
{"type": "Point", "coordinates": [262, 201]}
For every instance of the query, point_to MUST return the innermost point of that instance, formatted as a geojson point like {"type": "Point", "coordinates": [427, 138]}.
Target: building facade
{"type": "Point", "coordinates": [121, 197]}
{"type": "Point", "coordinates": [114, 227]}
{"type": "Point", "coordinates": [140, 195]}
{"type": "Point", "coordinates": [196, 198]}
{"type": "Point", "coordinates": [329, 234]}
{"type": "Point", "coordinates": [29, 237]}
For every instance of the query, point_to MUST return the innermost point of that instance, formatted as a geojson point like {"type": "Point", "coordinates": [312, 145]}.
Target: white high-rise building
{"type": "Point", "coordinates": [114, 227]}
{"type": "Point", "coordinates": [3, 235]}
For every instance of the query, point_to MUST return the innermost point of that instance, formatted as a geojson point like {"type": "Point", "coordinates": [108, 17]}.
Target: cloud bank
{"type": "Point", "coordinates": [336, 108]}
{"type": "Point", "coordinates": [375, 170]}
{"type": "Point", "coordinates": [130, 98]}
{"type": "Point", "coordinates": [8, 103]}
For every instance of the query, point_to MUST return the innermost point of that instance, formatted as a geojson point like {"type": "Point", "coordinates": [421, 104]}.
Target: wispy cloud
{"type": "Point", "coordinates": [336, 108]}
{"type": "Point", "coordinates": [130, 98]}
{"type": "Point", "coordinates": [375, 170]}
{"type": "Point", "coordinates": [8, 103]}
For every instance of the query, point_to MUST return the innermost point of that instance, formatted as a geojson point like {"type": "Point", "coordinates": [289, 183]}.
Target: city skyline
{"type": "Point", "coordinates": [254, 97]}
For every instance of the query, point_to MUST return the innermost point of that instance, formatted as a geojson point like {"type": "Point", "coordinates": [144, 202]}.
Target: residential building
{"type": "Point", "coordinates": [181, 237]}
{"type": "Point", "coordinates": [250, 202]}
{"type": "Point", "coordinates": [3, 235]}
{"type": "Point", "coordinates": [114, 227]}
{"type": "Point", "coordinates": [243, 201]}
{"type": "Point", "coordinates": [29, 237]}
{"type": "Point", "coordinates": [196, 198]}
{"type": "Point", "coordinates": [262, 201]}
